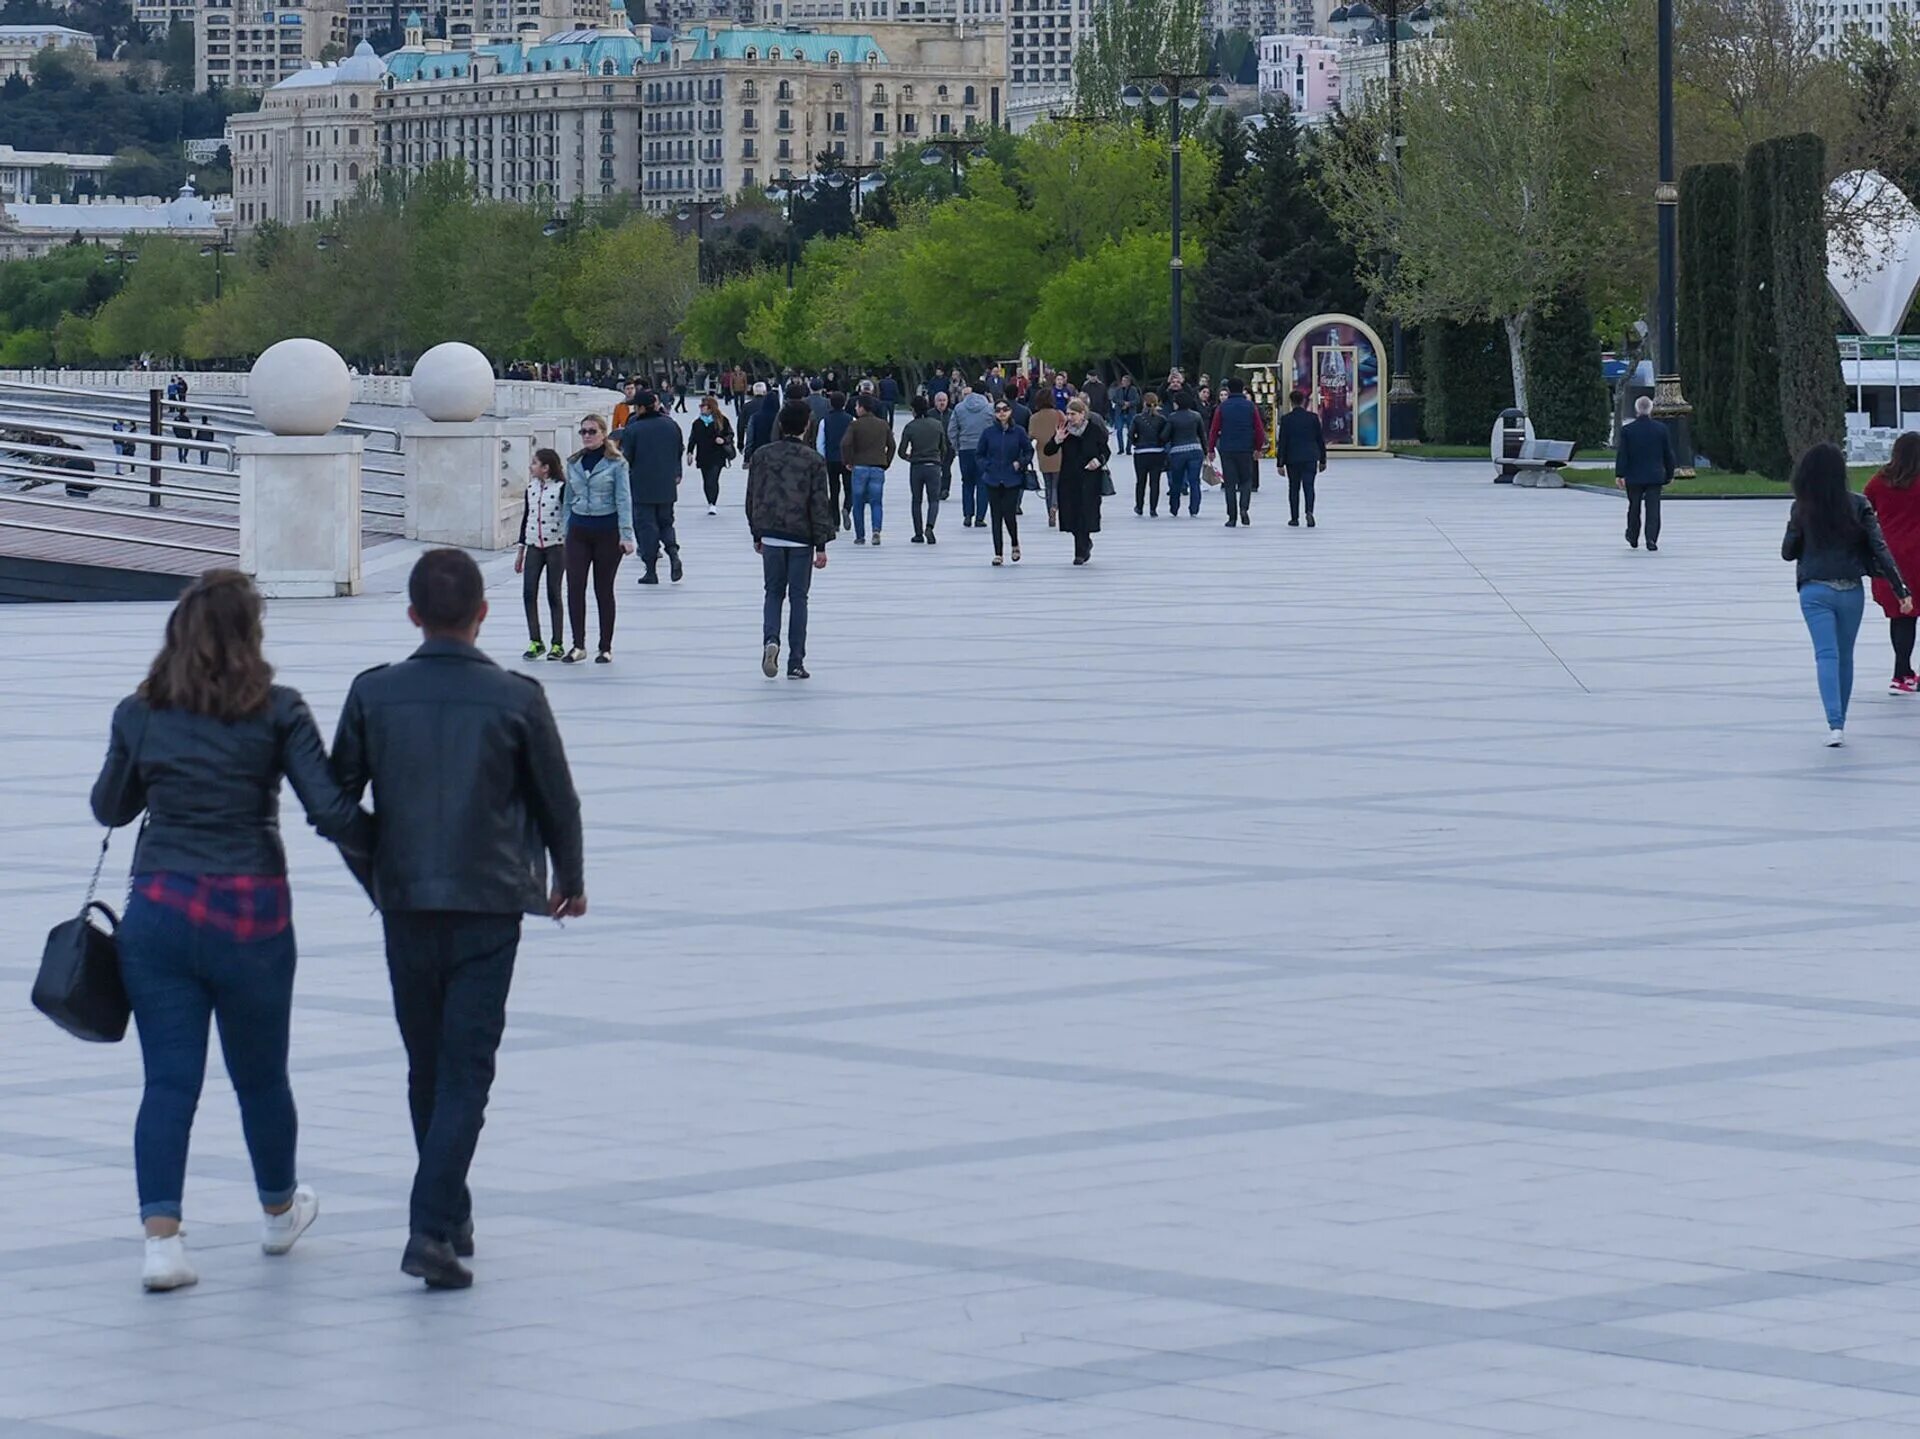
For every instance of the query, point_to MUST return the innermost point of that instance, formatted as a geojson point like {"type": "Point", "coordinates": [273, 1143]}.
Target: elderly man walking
{"type": "Point", "coordinates": [1643, 465]}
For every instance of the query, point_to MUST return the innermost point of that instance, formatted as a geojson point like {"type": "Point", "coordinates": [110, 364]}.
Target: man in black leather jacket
{"type": "Point", "coordinates": [471, 793]}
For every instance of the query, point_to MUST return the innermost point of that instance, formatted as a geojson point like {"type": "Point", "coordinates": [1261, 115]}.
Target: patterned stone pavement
{"type": "Point", "coordinates": [1419, 978]}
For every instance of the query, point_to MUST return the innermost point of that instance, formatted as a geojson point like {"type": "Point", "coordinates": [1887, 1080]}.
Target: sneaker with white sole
{"type": "Point", "coordinates": [1836, 738]}
{"type": "Point", "coordinates": [167, 1266]}
{"type": "Point", "coordinates": [770, 659]}
{"type": "Point", "coordinates": [279, 1231]}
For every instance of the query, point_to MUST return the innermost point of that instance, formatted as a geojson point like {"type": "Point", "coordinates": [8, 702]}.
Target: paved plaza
{"type": "Point", "coordinates": [1420, 978]}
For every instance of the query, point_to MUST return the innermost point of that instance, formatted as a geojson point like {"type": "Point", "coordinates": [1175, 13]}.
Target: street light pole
{"type": "Point", "coordinates": [1402, 415]}
{"type": "Point", "coordinates": [952, 145]}
{"type": "Point", "coordinates": [1669, 403]}
{"type": "Point", "coordinates": [1171, 87]}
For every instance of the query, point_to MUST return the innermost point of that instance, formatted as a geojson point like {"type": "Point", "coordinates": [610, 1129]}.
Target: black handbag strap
{"type": "Point", "coordinates": [93, 883]}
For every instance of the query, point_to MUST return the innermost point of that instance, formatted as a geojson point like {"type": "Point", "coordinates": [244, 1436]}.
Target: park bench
{"type": "Point", "coordinates": [1536, 465]}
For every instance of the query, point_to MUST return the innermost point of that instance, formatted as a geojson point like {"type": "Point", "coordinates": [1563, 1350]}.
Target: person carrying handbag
{"type": "Point", "coordinates": [711, 447]}
{"type": "Point", "coordinates": [201, 748]}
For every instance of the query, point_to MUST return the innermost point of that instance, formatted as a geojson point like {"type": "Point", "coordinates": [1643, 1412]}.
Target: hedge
{"type": "Point", "coordinates": [1761, 438]}
{"type": "Point", "coordinates": [1566, 393]}
{"type": "Point", "coordinates": [1812, 394]}
{"type": "Point", "coordinates": [1466, 380]}
{"type": "Point", "coordinates": [1709, 306]}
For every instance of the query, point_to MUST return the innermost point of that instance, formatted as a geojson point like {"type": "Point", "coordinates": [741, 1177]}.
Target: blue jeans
{"type": "Point", "coordinates": [789, 575]}
{"type": "Point", "coordinates": [868, 482]}
{"type": "Point", "coordinates": [1122, 431]}
{"type": "Point", "coordinates": [179, 976]}
{"type": "Point", "coordinates": [1833, 619]}
{"type": "Point", "coordinates": [973, 494]}
{"type": "Point", "coordinates": [1183, 475]}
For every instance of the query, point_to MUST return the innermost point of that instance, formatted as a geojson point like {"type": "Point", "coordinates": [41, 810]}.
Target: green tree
{"type": "Point", "coordinates": [1274, 255]}
{"type": "Point", "coordinates": [1129, 38]}
{"type": "Point", "coordinates": [1088, 184]}
{"type": "Point", "coordinates": [1114, 302]}
{"type": "Point", "coordinates": [1762, 440]}
{"type": "Point", "coordinates": [1567, 395]}
{"type": "Point", "coordinates": [1501, 203]}
{"type": "Point", "coordinates": [1709, 305]}
{"type": "Point", "coordinates": [1465, 380]}
{"type": "Point", "coordinates": [152, 313]}
{"type": "Point", "coordinates": [631, 288]}
{"type": "Point", "coordinates": [716, 321]}
{"type": "Point", "coordinates": [1813, 393]}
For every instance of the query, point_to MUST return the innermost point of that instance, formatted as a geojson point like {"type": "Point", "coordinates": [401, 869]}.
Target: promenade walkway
{"type": "Point", "coordinates": [1420, 978]}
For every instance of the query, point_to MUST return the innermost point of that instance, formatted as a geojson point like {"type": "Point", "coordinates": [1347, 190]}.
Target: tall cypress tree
{"type": "Point", "coordinates": [1761, 437]}
{"type": "Point", "coordinates": [1566, 396]}
{"type": "Point", "coordinates": [1813, 391]}
{"type": "Point", "coordinates": [1709, 305]}
{"type": "Point", "coordinates": [1466, 380]}
{"type": "Point", "coordinates": [1274, 256]}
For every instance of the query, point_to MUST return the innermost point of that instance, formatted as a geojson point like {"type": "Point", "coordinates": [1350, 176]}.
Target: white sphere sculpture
{"type": "Point", "coordinates": [300, 387]}
{"type": "Point", "coordinates": [452, 382]}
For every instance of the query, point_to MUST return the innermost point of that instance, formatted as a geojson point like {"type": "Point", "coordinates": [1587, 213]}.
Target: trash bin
{"type": "Point", "coordinates": [1511, 433]}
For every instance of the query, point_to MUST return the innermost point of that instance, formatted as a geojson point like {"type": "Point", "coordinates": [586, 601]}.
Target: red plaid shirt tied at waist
{"type": "Point", "coordinates": [246, 906]}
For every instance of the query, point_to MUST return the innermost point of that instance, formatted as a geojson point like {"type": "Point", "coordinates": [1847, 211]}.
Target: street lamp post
{"type": "Point", "coordinates": [700, 214]}
{"type": "Point", "coordinates": [949, 148]}
{"type": "Point", "coordinates": [791, 185]}
{"type": "Point", "coordinates": [1403, 417]}
{"type": "Point", "coordinates": [1172, 88]}
{"type": "Point", "coordinates": [1669, 403]}
{"type": "Point", "coordinates": [847, 172]}
{"type": "Point", "coordinates": [216, 251]}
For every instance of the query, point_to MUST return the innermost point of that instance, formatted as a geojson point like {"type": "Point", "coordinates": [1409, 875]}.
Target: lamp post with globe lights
{"type": "Point", "coordinates": [788, 186]}
{"type": "Point", "coordinates": [1173, 89]}
{"type": "Point", "coordinates": [1669, 403]}
{"type": "Point", "coordinates": [948, 148]}
{"type": "Point", "coordinates": [700, 214]}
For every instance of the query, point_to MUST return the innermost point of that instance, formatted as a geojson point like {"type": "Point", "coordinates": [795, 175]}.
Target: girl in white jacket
{"type": "Point", "coordinates": [543, 549]}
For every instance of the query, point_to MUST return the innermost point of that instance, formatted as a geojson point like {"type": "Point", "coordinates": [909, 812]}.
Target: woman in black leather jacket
{"type": "Point", "coordinates": [201, 746]}
{"type": "Point", "coordinates": [1833, 537]}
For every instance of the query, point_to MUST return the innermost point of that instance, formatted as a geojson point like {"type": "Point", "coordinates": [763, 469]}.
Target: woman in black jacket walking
{"type": "Point", "coordinates": [710, 442]}
{"type": "Point", "coordinates": [1834, 539]}
{"type": "Point", "coordinates": [1082, 447]}
{"type": "Point", "coordinates": [202, 746]}
{"type": "Point", "coordinates": [1149, 453]}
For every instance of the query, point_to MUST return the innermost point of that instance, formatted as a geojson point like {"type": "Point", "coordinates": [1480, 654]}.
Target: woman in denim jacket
{"type": "Point", "coordinates": [598, 513]}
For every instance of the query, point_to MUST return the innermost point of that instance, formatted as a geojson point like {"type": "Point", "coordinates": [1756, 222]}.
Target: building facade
{"type": "Point", "coordinates": [304, 152]}
{"type": "Point", "coordinates": [699, 114]}
{"type": "Point", "coordinates": [1832, 20]}
{"type": "Point", "coordinates": [26, 173]}
{"type": "Point", "coordinates": [28, 230]}
{"type": "Point", "coordinates": [259, 43]}
{"type": "Point", "coordinates": [19, 44]}
{"type": "Point", "coordinates": [1302, 70]}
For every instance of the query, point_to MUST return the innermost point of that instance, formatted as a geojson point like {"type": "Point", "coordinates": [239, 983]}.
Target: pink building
{"type": "Point", "coordinates": [1304, 70]}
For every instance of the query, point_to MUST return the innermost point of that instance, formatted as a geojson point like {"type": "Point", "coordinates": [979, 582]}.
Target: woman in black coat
{"type": "Point", "coordinates": [1084, 452]}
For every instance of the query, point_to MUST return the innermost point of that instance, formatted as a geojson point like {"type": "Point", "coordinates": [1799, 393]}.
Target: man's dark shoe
{"type": "Point", "coordinates": [798, 672]}
{"type": "Point", "coordinates": [463, 1240]}
{"type": "Point", "coordinates": [1232, 523]}
{"type": "Point", "coordinates": [918, 540]}
{"type": "Point", "coordinates": [1634, 540]}
{"type": "Point", "coordinates": [1294, 523]}
{"type": "Point", "coordinates": [434, 1261]}
{"type": "Point", "coordinates": [651, 577]}
{"type": "Point", "coordinates": [1652, 547]}
{"type": "Point", "coordinates": [675, 570]}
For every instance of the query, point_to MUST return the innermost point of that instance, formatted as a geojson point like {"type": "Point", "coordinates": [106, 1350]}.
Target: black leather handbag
{"type": "Point", "coordinates": [79, 985]}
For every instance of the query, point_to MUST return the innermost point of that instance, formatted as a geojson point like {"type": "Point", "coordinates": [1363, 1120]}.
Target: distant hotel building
{"type": "Point", "coordinates": [590, 113]}
{"type": "Point", "coordinates": [259, 43]}
{"type": "Point", "coordinates": [1303, 70]}
{"type": "Point", "coordinates": [20, 43]}
{"type": "Point", "coordinates": [1833, 20]}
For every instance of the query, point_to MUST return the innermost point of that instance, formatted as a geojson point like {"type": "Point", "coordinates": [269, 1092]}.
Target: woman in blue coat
{"type": "Point", "coordinates": [1006, 455]}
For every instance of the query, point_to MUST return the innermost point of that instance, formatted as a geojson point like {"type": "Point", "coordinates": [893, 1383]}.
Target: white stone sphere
{"type": "Point", "coordinates": [452, 382]}
{"type": "Point", "coordinates": [300, 387]}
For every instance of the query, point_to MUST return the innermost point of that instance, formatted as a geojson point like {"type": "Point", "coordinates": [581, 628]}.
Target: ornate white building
{"type": "Point", "coordinates": [305, 150]}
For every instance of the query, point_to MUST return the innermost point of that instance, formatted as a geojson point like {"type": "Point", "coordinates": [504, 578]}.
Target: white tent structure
{"type": "Point", "coordinates": [1875, 273]}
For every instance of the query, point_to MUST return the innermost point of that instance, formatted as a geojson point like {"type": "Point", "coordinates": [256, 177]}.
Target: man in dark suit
{"type": "Point", "coordinates": [1302, 447]}
{"type": "Point", "coordinates": [1643, 466]}
{"type": "Point", "coordinates": [471, 794]}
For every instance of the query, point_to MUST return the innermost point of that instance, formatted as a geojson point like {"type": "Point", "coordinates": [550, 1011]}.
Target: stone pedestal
{"type": "Point", "coordinates": [300, 514]}
{"type": "Point", "coordinates": [466, 481]}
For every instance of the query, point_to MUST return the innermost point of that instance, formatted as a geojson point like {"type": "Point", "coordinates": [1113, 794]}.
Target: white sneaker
{"type": "Point", "coordinates": [713, 509]}
{"type": "Point", "coordinates": [167, 1266]}
{"type": "Point", "coordinates": [1836, 738]}
{"type": "Point", "coordinates": [279, 1231]}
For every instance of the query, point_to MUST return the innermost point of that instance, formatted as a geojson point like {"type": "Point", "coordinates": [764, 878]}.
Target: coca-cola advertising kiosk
{"type": "Point", "coordinates": [1335, 360]}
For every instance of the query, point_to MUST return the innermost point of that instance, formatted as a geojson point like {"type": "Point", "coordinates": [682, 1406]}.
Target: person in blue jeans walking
{"type": "Point", "coordinates": [791, 513]}
{"type": "Point", "coordinates": [972, 418]}
{"type": "Point", "coordinates": [866, 450]}
{"type": "Point", "coordinates": [1833, 538]}
{"type": "Point", "coordinates": [1185, 448]}
{"type": "Point", "coordinates": [201, 747]}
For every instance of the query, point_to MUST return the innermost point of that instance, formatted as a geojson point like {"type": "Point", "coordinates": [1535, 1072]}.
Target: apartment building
{"type": "Point", "coordinates": [259, 43]}
{"type": "Point", "coordinates": [1832, 20]}
{"type": "Point", "coordinates": [725, 109]}
{"type": "Point", "coordinates": [1302, 70]}
{"type": "Point", "coordinates": [700, 113]}
{"type": "Point", "coordinates": [19, 44]}
{"type": "Point", "coordinates": [304, 152]}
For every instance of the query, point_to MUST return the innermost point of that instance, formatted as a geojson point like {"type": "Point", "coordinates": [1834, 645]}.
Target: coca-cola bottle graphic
{"type": "Point", "coordinates": [1336, 392]}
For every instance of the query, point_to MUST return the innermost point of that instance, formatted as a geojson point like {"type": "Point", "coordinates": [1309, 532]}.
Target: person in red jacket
{"type": "Point", "coordinates": [1896, 501]}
